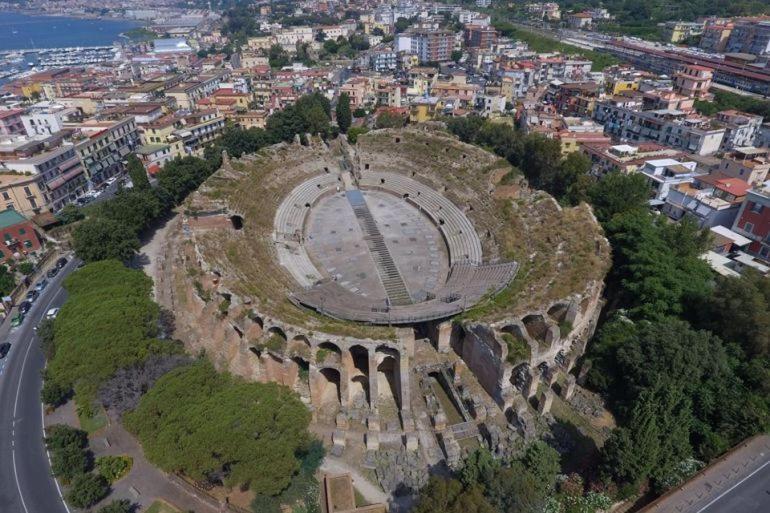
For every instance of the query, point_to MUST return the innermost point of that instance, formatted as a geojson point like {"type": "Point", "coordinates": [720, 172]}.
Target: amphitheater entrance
{"type": "Point", "coordinates": [388, 388]}
{"type": "Point", "coordinates": [302, 380]}
{"type": "Point", "coordinates": [359, 377]}
{"type": "Point", "coordinates": [327, 390]}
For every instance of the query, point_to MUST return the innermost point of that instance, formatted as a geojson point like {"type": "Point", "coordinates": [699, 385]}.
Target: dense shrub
{"type": "Point", "coordinates": [87, 490]}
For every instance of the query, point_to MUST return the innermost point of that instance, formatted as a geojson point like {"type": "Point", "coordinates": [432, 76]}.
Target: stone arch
{"type": "Point", "coordinates": [328, 352]}
{"type": "Point", "coordinates": [300, 346]}
{"type": "Point", "coordinates": [275, 339]}
{"type": "Point", "coordinates": [329, 387]}
{"type": "Point", "coordinates": [558, 312]}
{"type": "Point", "coordinates": [236, 221]}
{"type": "Point", "coordinates": [358, 372]}
{"type": "Point", "coordinates": [389, 376]}
{"type": "Point", "coordinates": [536, 326]}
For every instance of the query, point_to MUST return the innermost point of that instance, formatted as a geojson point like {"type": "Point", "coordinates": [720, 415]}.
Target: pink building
{"type": "Point", "coordinates": [10, 122]}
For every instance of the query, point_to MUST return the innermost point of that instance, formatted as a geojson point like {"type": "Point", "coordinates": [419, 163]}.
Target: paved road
{"type": "Point", "coordinates": [749, 496]}
{"type": "Point", "coordinates": [26, 485]}
{"type": "Point", "coordinates": [737, 482]}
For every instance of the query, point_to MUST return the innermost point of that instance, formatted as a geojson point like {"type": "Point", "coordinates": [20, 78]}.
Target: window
{"type": "Point", "coordinates": [22, 231]}
{"type": "Point", "coordinates": [7, 236]}
{"type": "Point", "coordinates": [27, 243]}
{"type": "Point", "coordinates": [6, 197]}
{"type": "Point", "coordinates": [27, 191]}
{"type": "Point", "coordinates": [748, 227]}
{"type": "Point", "coordinates": [756, 207]}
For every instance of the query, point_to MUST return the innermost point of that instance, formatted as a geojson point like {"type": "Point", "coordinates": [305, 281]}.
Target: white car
{"type": "Point", "coordinates": [52, 313]}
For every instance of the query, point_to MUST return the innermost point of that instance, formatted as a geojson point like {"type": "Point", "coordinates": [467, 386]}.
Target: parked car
{"type": "Point", "coordinates": [52, 313]}
{"type": "Point", "coordinates": [16, 321]}
{"type": "Point", "coordinates": [42, 284]}
{"type": "Point", "coordinates": [24, 307]}
{"type": "Point", "coordinates": [52, 272]}
{"type": "Point", "coordinates": [32, 295]}
{"type": "Point", "coordinates": [4, 348]}
{"type": "Point", "coordinates": [61, 262]}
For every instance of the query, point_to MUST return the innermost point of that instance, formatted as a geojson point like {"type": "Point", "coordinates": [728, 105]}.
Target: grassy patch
{"type": "Point", "coordinates": [540, 43]}
{"type": "Point", "coordinates": [518, 350]}
{"type": "Point", "coordinates": [161, 507]}
{"type": "Point", "coordinates": [93, 422]}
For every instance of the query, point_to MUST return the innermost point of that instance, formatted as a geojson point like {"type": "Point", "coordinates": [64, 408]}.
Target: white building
{"type": "Point", "coordinates": [662, 174]}
{"type": "Point", "coordinates": [47, 118]}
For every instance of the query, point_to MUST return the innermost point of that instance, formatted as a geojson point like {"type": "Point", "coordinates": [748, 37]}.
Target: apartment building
{"type": "Point", "coordinates": [104, 146]}
{"type": "Point", "coordinates": [479, 36]}
{"type": "Point", "coordinates": [715, 36]}
{"type": "Point", "coordinates": [10, 122]}
{"type": "Point", "coordinates": [753, 221]}
{"type": "Point", "coordinates": [198, 129]}
{"type": "Point", "coordinates": [694, 81]}
{"type": "Point", "coordinates": [18, 235]}
{"type": "Point", "coordinates": [749, 35]}
{"type": "Point", "coordinates": [187, 94]}
{"type": "Point", "coordinates": [710, 200]}
{"type": "Point", "coordinates": [669, 127]}
{"type": "Point", "coordinates": [22, 193]}
{"type": "Point", "coordinates": [741, 129]}
{"type": "Point", "coordinates": [47, 117]}
{"type": "Point", "coordinates": [662, 174]}
{"type": "Point", "coordinates": [749, 163]}
{"type": "Point", "coordinates": [58, 175]}
{"type": "Point", "coordinates": [623, 158]}
{"type": "Point", "coordinates": [432, 45]}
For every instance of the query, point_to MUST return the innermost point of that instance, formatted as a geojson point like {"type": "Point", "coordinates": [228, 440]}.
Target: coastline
{"type": "Point", "coordinates": [72, 15]}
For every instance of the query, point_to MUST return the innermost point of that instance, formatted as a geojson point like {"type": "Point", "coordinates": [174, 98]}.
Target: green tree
{"type": "Point", "coordinates": [206, 424]}
{"type": "Point", "coordinates": [738, 310]}
{"type": "Point", "coordinates": [457, 55]}
{"type": "Point", "coordinates": [70, 214]}
{"type": "Point", "coordinates": [572, 183]}
{"type": "Point", "coordinates": [354, 132]}
{"type": "Point", "coordinates": [100, 238]}
{"type": "Point", "coordinates": [617, 193]}
{"type": "Point", "coordinates": [540, 161]}
{"type": "Point", "coordinates": [87, 490]}
{"type": "Point", "coordinates": [26, 267]}
{"type": "Point", "coordinates": [137, 173]}
{"type": "Point", "coordinates": [7, 281]}
{"type": "Point", "coordinates": [344, 117]}
{"type": "Point", "coordinates": [53, 394]}
{"type": "Point", "coordinates": [60, 436]}
{"type": "Point", "coordinates": [402, 24]}
{"type": "Point", "coordinates": [70, 462]}
{"type": "Point", "coordinates": [543, 462]}
{"type": "Point", "coordinates": [448, 495]}
{"type": "Point", "coordinates": [277, 57]}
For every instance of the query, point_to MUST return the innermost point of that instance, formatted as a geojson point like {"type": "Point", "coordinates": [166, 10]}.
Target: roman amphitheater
{"type": "Point", "coordinates": [412, 289]}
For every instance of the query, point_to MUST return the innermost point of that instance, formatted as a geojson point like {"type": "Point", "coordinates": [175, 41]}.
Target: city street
{"type": "Point", "coordinates": [26, 484]}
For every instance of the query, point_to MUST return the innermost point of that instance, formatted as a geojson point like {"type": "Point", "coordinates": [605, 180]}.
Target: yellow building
{"type": "Point", "coordinates": [619, 85]}
{"type": "Point", "coordinates": [22, 193]}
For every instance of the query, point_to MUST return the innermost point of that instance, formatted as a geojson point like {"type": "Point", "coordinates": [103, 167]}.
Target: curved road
{"type": "Point", "coordinates": [26, 484]}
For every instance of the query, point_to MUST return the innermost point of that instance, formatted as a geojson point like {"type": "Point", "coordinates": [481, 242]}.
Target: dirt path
{"type": "Point", "coordinates": [152, 253]}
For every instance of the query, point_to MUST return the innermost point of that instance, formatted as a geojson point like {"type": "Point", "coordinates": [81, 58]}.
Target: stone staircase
{"type": "Point", "coordinates": [386, 267]}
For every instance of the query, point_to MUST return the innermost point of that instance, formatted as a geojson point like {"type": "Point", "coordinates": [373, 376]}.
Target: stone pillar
{"type": "Point", "coordinates": [374, 393]}
{"type": "Point", "coordinates": [544, 404]}
{"type": "Point", "coordinates": [568, 388]}
{"type": "Point", "coordinates": [534, 380]}
{"type": "Point", "coordinates": [344, 386]}
{"type": "Point", "coordinates": [403, 380]}
{"type": "Point", "coordinates": [406, 339]}
{"type": "Point", "coordinates": [444, 336]}
{"type": "Point", "coordinates": [583, 374]}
